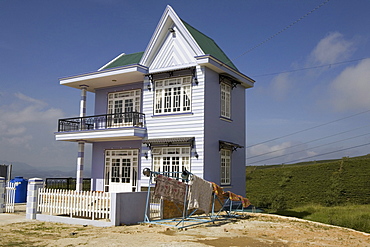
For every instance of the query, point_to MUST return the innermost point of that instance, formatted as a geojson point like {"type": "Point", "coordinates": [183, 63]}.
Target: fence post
{"type": "Point", "coordinates": [2, 195]}
{"type": "Point", "coordinates": [34, 184]}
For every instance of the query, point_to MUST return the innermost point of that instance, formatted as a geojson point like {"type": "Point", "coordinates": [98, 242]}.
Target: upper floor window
{"type": "Point", "coordinates": [225, 100]}
{"type": "Point", "coordinates": [173, 95]}
{"type": "Point", "coordinates": [125, 101]}
{"type": "Point", "coordinates": [124, 107]}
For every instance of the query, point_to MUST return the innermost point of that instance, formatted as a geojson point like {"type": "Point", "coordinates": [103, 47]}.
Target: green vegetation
{"type": "Point", "coordinates": [351, 216]}
{"type": "Point", "coordinates": [337, 187]}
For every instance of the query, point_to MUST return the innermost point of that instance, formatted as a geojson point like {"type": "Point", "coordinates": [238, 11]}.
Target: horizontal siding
{"type": "Point", "coordinates": [176, 125]}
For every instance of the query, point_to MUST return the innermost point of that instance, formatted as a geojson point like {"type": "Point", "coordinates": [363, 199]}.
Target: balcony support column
{"type": "Point", "coordinates": [80, 165]}
{"type": "Point", "coordinates": [81, 144]}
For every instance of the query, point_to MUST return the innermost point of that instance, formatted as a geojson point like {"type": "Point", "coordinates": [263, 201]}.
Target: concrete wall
{"type": "Point", "coordinates": [129, 207]}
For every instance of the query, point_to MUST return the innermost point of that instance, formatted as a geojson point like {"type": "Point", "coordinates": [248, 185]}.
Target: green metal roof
{"type": "Point", "coordinates": [128, 59]}
{"type": "Point", "coordinates": [208, 45]}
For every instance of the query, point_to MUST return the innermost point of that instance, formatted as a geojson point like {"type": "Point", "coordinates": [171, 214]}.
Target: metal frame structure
{"type": "Point", "coordinates": [188, 218]}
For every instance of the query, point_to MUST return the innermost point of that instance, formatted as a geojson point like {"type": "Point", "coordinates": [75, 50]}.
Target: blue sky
{"type": "Point", "coordinates": [42, 41]}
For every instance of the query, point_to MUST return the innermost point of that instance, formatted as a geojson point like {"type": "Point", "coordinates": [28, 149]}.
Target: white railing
{"type": "Point", "coordinates": [85, 204]}
{"type": "Point", "coordinates": [10, 197]}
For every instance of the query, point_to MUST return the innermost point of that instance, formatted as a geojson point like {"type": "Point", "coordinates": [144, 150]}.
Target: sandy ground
{"type": "Point", "coordinates": [249, 230]}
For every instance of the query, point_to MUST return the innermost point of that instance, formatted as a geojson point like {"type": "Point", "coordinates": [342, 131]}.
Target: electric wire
{"type": "Point", "coordinates": [304, 130]}
{"type": "Point", "coordinates": [313, 67]}
{"type": "Point", "coordinates": [346, 139]}
{"type": "Point", "coordinates": [318, 155]}
{"type": "Point", "coordinates": [279, 32]}
{"type": "Point", "coordinates": [318, 139]}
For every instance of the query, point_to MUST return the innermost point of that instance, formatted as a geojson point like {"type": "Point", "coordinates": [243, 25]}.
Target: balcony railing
{"type": "Point", "coordinates": [98, 122]}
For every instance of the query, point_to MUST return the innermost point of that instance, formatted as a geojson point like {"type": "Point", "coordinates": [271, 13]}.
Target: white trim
{"type": "Point", "coordinates": [127, 178]}
{"type": "Point", "coordinates": [99, 74]}
{"type": "Point", "coordinates": [129, 133]}
{"type": "Point", "coordinates": [168, 19]}
{"type": "Point", "coordinates": [225, 158]}
{"type": "Point", "coordinates": [225, 100]}
{"type": "Point", "coordinates": [175, 102]}
{"type": "Point", "coordinates": [218, 66]}
{"type": "Point", "coordinates": [114, 59]}
{"type": "Point", "coordinates": [164, 159]}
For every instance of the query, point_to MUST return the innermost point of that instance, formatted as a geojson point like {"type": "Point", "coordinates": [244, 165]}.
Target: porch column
{"type": "Point", "coordinates": [81, 144]}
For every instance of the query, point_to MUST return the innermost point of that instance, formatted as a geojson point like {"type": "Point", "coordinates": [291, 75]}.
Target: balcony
{"type": "Point", "coordinates": [107, 127]}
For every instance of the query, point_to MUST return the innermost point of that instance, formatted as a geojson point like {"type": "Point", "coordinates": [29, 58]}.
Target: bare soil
{"type": "Point", "coordinates": [249, 230]}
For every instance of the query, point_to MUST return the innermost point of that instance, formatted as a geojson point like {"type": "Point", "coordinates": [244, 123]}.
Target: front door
{"type": "Point", "coordinates": [122, 105]}
{"type": "Point", "coordinates": [121, 170]}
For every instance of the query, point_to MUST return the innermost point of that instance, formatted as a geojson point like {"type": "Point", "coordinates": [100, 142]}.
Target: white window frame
{"type": "Point", "coordinates": [134, 95]}
{"type": "Point", "coordinates": [225, 166]}
{"type": "Point", "coordinates": [116, 105]}
{"type": "Point", "coordinates": [225, 100]}
{"type": "Point", "coordinates": [171, 160]}
{"type": "Point", "coordinates": [118, 172]}
{"type": "Point", "coordinates": [173, 95]}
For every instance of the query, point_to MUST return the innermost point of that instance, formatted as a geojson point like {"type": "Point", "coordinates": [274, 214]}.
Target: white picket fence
{"type": "Point", "coordinates": [85, 204]}
{"type": "Point", "coordinates": [10, 197]}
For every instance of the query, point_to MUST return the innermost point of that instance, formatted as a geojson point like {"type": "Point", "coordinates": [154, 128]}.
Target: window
{"type": "Point", "coordinates": [225, 100]}
{"type": "Point", "coordinates": [122, 105]}
{"type": "Point", "coordinates": [225, 167]}
{"type": "Point", "coordinates": [173, 95]}
{"type": "Point", "coordinates": [171, 160]}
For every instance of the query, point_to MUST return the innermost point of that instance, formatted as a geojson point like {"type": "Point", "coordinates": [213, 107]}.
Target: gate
{"type": "Point", "coordinates": [9, 197]}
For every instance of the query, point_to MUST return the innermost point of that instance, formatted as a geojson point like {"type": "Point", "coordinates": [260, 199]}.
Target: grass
{"type": "Point", "coordinates": [332, 182]}
{"type": "Point", "coordinates": [351, 216]}
{"type": "Point", "coordinates": [335, 192]}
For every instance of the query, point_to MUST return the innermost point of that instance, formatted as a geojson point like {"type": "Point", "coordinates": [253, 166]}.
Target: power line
{"type": "Point", "coordinates": [319, 139]}
{"type": "Point", "coordinates": [313, 67]}
{"type": "Point", "coordinates": [282, 30]}
{"type": "Point", "coordinates": [311, 148]}
{"type": "Point", "coordinates": [317, 126]}
{"type": "Point", "coordinates": [344, 149]}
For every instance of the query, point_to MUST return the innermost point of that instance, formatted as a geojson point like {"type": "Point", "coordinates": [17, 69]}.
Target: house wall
{"type": "Point", "coordinates": [177, 125]}
{"type": "Point", "coordinates": [101, 95]}
{"type": "Point", "coordinates": [217, 129]}
{"type": "Point", "coordinates": [98, 148]}
{"type": "Point", "coordinates": [98, 164]}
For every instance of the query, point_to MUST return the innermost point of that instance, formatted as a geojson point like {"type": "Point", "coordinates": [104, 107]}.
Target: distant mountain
{"type": "Point", "coordinates": [27, 171]}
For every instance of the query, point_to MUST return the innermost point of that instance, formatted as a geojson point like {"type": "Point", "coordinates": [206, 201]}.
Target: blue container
{"type": "Point", "coordinates": [21, 189]}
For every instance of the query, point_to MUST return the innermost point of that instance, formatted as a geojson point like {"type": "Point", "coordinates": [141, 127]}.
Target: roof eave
{"type": "Point", "coordinates": [220, 67]}
{"type": "Point", "coordinates": [108, 77]}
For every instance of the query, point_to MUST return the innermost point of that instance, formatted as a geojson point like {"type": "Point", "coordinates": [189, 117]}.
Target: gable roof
{"type": "Point", "coordinates": [208, 45]}
{"type": "Point", "coordinates": [123, 60]}
{"type": "Point", "coordinates": [203, 44]}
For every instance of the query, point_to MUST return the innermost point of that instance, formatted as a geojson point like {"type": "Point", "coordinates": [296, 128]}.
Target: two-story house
{"type": "Point", "coordinates": [180, 104]}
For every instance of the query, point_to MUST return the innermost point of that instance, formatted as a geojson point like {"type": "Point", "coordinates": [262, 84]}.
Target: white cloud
{"type": "Point", "coordinates": [285, 152]}
{"type": "Point", "coordinates": [333, 48]}
{"type": "Point", "coordinates": [350, 89]}
{"type": "Point", "coordinates": [20, 119]}
{"type": "Point", "coordinates": [281, 86]}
